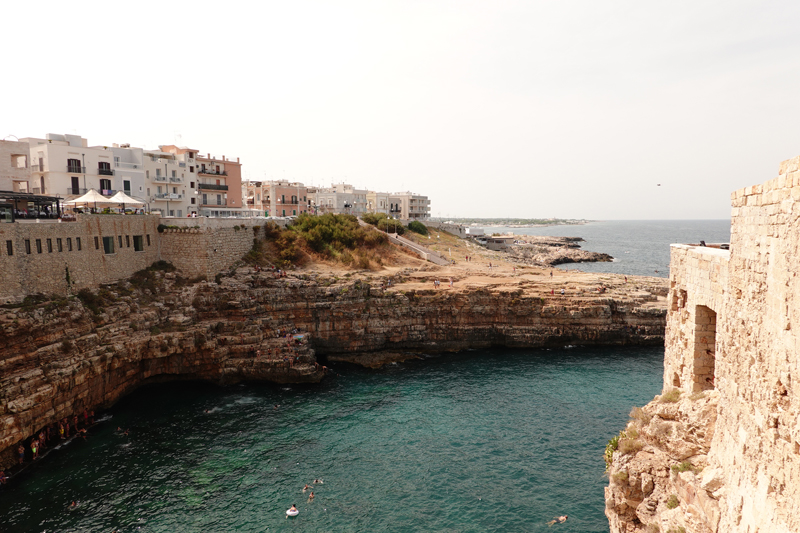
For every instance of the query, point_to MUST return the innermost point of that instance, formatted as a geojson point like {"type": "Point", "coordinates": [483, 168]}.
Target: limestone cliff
{"type": "Point", "coordinates": [61, 357]}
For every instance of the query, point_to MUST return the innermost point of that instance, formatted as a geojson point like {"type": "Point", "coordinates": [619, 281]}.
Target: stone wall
{"type": "Point", "coordinates": [732, 328]}
{"type": "Point", "coordinates": [204, 253]}
{"type": "Point", "coordinates": [53, 257]}
{"type": "Point", "coordinates": [70, 259]}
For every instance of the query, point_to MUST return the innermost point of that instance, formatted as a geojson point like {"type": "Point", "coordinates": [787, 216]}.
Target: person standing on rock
{"type": "Point", "coordinates": [21, 452]}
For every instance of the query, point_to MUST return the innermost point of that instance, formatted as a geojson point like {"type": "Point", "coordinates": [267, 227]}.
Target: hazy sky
{"type": "Point", "coordinates": [569, 109]}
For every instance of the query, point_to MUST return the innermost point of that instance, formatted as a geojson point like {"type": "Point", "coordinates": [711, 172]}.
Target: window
{"type": "Point", "coordinates": [96, 243]}
{"type": "Point", "coordinates": [191, 184]}
{"type": "Point", "coordinates": [180, 213]}
{"type": "Point", "coordinates": [27, 246]}
{"type": "Point", "coordinates": [49, 246]}
{"type": "Point", "coordinates": [104, 169]}
{"type": "Point", "coordinates": [120, 241]}
{"type": "Point", "coordinates": [19, 161]}
{"type": "Point", "coordinates": [127, 241]}
{"type": "Point", "coordinates": [192, 200]}
{"type": "Point", "coordinates": [158, 172]}
{"type": "Point", "coordinates": [191, 169]}
{"type": "Point", "coordinates": [78, 242]}
{"type": "Point", "coordinates": [58, 245]}
{"type": "Point", "coordinates": [147, 175]}
{"type": "Point", "coordinates": [38, 246]}
{"type": "Point", "coordinates": [205, 199]}
{"type": "Point", "coordinates": [69, 244]}
{"type": "Point", "coordinates": [105, 186]}
{"type": "Point", "coordinates": [148, 239]}
{"type": "Point", "coordinates": [138, 244]}
{"type": "Point", "coordinates": [74, 165]}
{"type": "Point", "coordinates": [108, 245]}
{"type": "Point", "coordinates": [174, 173]}
{"type": "Point", "coordinates": [10, 247]}
{"type": "Point", "coordinates": [126, 186]}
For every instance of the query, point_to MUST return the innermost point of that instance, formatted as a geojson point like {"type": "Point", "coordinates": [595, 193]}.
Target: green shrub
{"type": "Point", "coordinates": [611, 447]}
{"type": "Point", "coordinates": [391, 226]}
{"type": "Point", "coordinates": [161, 228]}
{"type": "Point", "coordinates": [672, 502]}
{"type": "Point", "coordinates": [374, 218]}
{"type": "Point", "coordinates": [155, 330]}
{"type": "Point", "coordinates": [418, 227]}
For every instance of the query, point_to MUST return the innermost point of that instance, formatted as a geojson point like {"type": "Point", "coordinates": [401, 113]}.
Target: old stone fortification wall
{"type": "Point", "coordinates": [732, 347]}
{"type": "Point", "coordinates": [70, 259]}
{"type": "Point", "coordinates": [204, 253]}
{"type": "Point", "coordinates": [65, 257]}
{"type": "Point", "coordinates": [215, 331]}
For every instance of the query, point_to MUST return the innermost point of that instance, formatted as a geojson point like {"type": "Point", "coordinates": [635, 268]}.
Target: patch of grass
{"type": "Point", "coordinates": [685, 466]}
{"type": "Point", "coordinates": [91, 301]}
{"type": "Point", "coordinates": [611, 447]}
{"type": "Point", "coordinates": [155, 330]}
{"type": "Point", "coordinates": [698, 396]}
{"type": "Point", "coordinates": [678, 529]}
{"type": "Point", "coordinates": [672, 501]}
{"type": "Point", "coordinates": [670, 396]}
{"type": "Point", "coordinates": [653, 528]}
{"type": "Point", "coordinates": [620, 477]}
{"type": "Point", "coordinates": [639, 415]}
{"type": "Point", "coordinates": [629, 446]}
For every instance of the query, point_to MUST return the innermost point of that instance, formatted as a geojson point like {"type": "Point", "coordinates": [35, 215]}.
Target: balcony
{"type": "Point", "coordinates": [175, 179]}
{"type": "Point", "coordinates": [221, 203]}
{"type": "Point", "coordinates": [105, 171]}
{"type": "Point", "coordinates": [37, 168]}
{"type": "Point", "coordinates": [251, 201]}
{"type": "Point", "coordinates": [160, 179]}
{"type": "Point", "coordinates": [167, 196]}
{"type": "Point", "coordinates": [76, 191]}
{"type": "Point", "coordinates": [212, 172]}
{"type": "Point", "coordinates": [134, 166]}
{"type": "Point", "coordinates": [212, 187]}
{"type": "Point", "coordinates": [74, 169]}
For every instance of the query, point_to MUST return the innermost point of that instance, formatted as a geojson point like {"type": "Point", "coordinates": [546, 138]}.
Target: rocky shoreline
{"type": "Point", "coordinates": [61, 357]}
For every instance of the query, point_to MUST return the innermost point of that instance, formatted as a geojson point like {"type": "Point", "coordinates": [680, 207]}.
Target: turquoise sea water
{"type": "Point", "coordinates": [491, 440]}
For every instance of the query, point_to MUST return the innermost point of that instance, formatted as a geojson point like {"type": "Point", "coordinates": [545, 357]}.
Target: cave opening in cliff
{"type": "Point", "coordinates": [705, 339]}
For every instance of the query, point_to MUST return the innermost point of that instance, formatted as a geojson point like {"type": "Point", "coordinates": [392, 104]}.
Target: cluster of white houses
{"type": "Point", "coordinates": [175, 181]}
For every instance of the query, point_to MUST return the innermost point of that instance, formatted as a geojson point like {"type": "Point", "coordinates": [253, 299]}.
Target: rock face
{"type": "Point", "coordinates": [59, 358]}
{"type": "Point", "coordinates": [550, 251]}
{"type": "Point", "coordinates": [732, 337]}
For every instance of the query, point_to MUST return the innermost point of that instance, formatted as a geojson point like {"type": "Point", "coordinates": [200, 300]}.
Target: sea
{"type": "Point", "coordinates": [495, 440]}
{"type": "Point", "coordinates": [639, 247]}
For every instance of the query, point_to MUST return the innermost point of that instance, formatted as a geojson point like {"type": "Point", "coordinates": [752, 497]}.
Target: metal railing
{"type": "Point", "coordinates": [175, 179]}
{"type": "Point", "coordinates": [76, 191]}
{"type": "Point", "coordinates": [74, 169]}
{"type": "Point", "coordinates": [212, 172]}
{"type": "Point", "coordinates": [212, 187]}
{"type": "Point", "coordinates": [120, 164]}
{"type": "Point", "coordinates": [160, 179]}
{"type": "Point", "coordinates": [105, 171]}
{"type": "Point", "coordinates": [37, 168]}
{"type": "Point", "coordinates": [168, 196]}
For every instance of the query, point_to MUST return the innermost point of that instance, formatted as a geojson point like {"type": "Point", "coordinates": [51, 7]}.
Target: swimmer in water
{"type": "Point", "coordinates": [292, 510]}
{"type": "Point", "coordinates": [311, 497]}
{"type": "Point", "coordinates": [306, 487]}
{"type": "Point", "coordinates": [557, 520]}
{"type": "Point", "coordinates": [318, 481]}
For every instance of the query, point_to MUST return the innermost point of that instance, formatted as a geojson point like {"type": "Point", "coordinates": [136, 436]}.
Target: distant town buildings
{"type": "Point", "coordinates": [180, 181]}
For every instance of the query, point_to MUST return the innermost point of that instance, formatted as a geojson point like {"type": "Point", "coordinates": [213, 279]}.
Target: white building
{"type": "Point", "coordinates": [65, 165]}
{"type": "Point", "coordinates": [409, 206]}
{"type": "Point", "coordinates": [340, 198]}
{"type": "Point", "coordinates": [378, 202]}
{"type": "Point", "coordinates": [170, 176]}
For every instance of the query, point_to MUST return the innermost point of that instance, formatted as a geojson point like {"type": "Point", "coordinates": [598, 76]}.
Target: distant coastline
{"type": "Point", "coordinates": [511, 222]}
